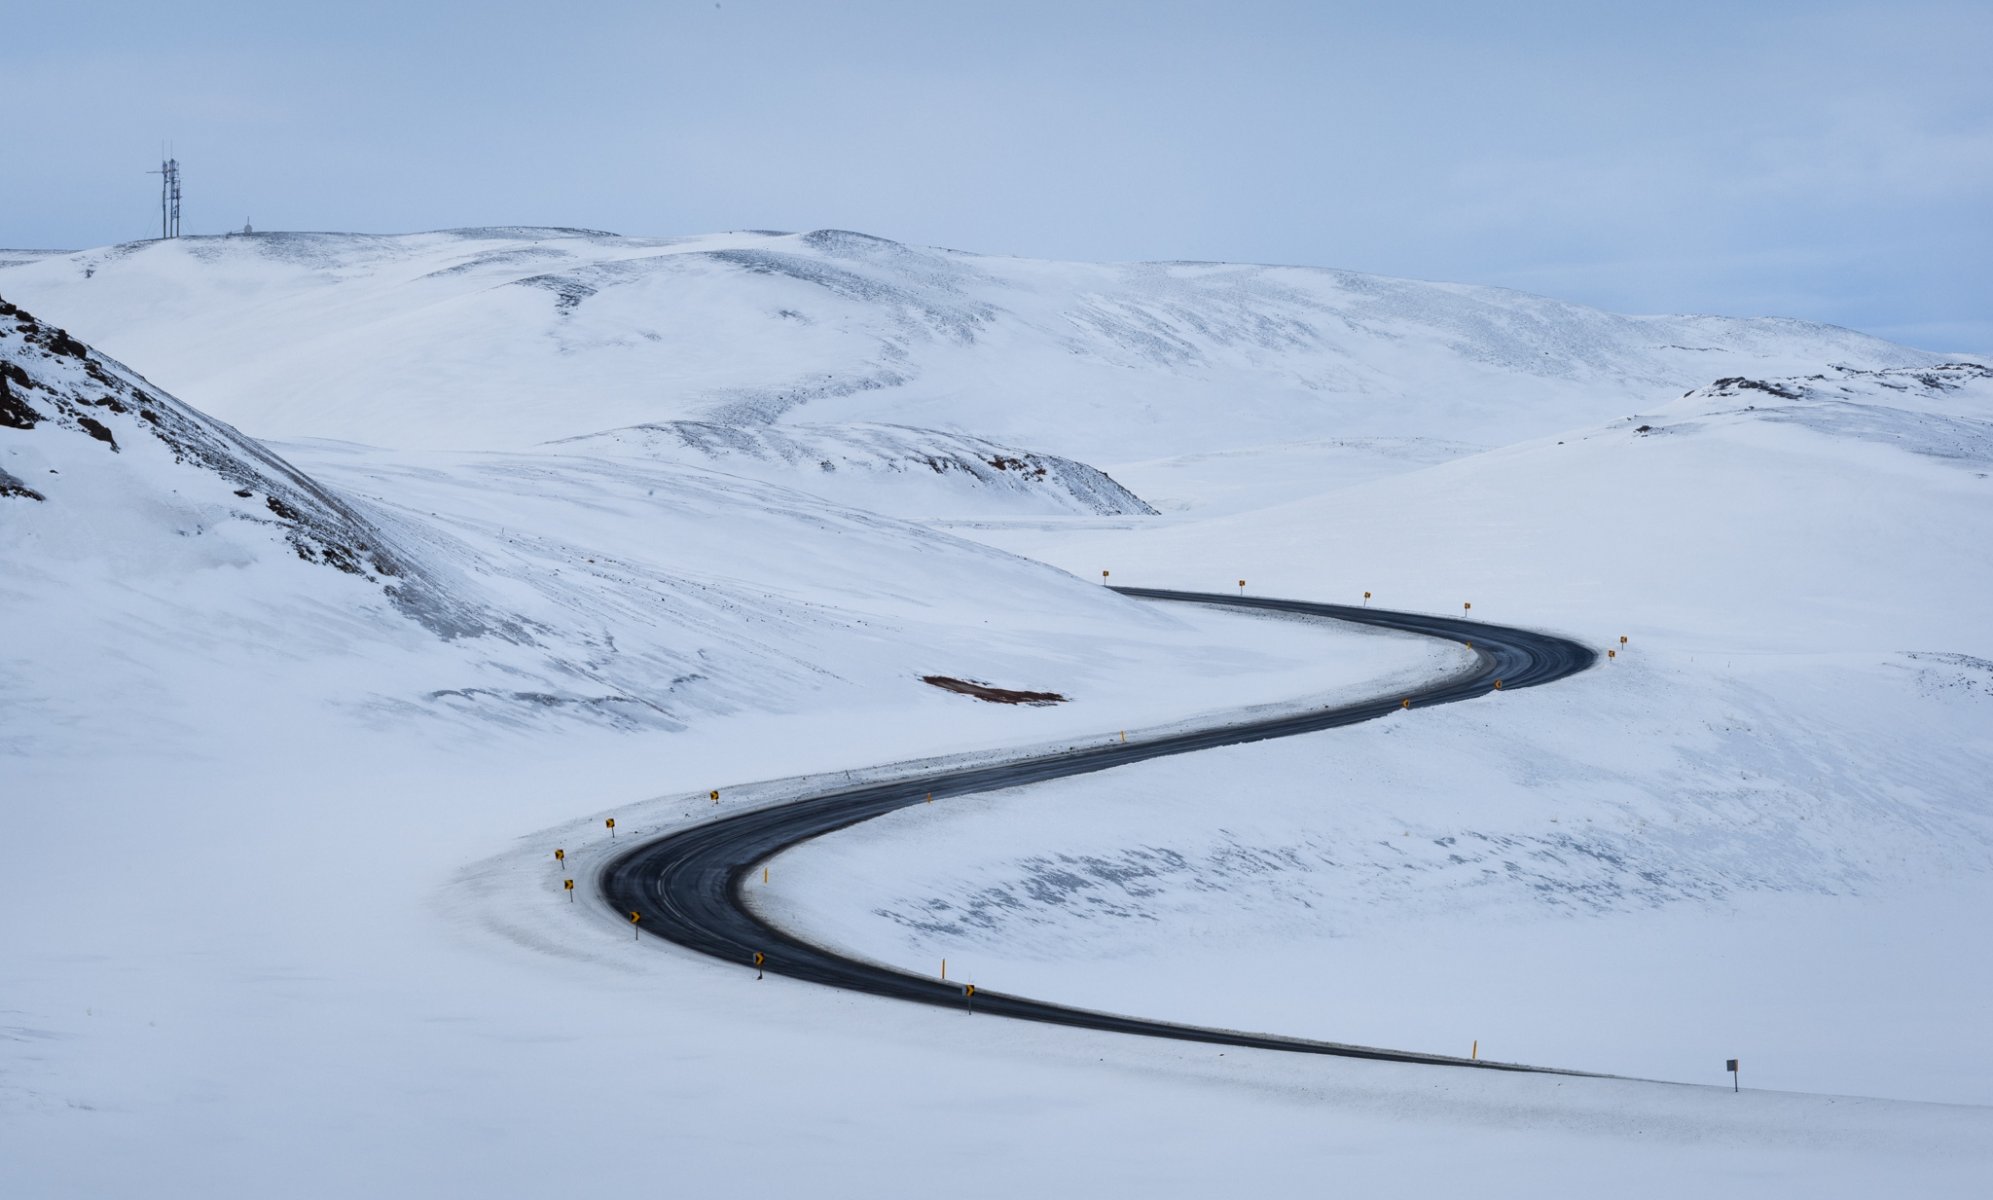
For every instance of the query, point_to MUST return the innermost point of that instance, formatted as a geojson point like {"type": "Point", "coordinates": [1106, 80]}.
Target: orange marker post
{"type": "Point", "coordinates": [611, 823]}
{"type": "Point", "coordinates": [569, 885]}
{"type": "Point", "coordinates": [634, 918]}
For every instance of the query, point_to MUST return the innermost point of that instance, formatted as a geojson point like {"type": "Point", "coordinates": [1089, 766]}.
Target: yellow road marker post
{"type": "Point", "coordinates": [1498, 685]}
{"type": "Point", "coordinates": [1476, 1053]}
{"type": "Point", "coordinates": [1366, 599]}
{"type": "Point", "coordinates": [569, 885]}
{"type": "Point", "coordinates": [1103, 579]}
{"type": "Point", "coordinates": [1405, 703]}
{"type": "Point", "coordinates": [969, 998]}
{"type": "Point", "coordinates": [560, 856]}
{"type": "Point", "coordinates": [1242, 587]}
{"type": "Point", "coordinates": [759, 958]}
{"type": "Point", "coordinates": [634, 918]}
{"type": "Point", "coordinates": [944, 969]}
{"type": "Point", "coordinates": [715, 794]}
{"type": "Point", "coordinates": [611, 823]}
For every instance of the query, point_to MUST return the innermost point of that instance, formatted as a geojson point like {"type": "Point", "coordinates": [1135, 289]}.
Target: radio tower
{"type": "Point", "coordinates": [169, 197]}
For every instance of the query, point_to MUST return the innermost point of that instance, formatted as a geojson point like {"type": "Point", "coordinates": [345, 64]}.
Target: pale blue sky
{"type": "Point", "coordinates": [1832, 161]}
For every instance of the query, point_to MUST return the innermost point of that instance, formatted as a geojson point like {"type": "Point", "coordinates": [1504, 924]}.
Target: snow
{"type": "Point", "coordinates": [505, 338]}
{"type": "Point", "coordinates": [283, 914]}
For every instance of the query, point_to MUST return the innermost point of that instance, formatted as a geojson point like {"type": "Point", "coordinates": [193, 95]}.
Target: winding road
{"type": "Point", "coordinates": [688, 884]}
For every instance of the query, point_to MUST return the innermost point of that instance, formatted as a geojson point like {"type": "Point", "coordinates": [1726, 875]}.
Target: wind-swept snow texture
{"type": "Point", "coordinates": [887, 468]}
{"type": "Point", "coordinates": [503, 338]}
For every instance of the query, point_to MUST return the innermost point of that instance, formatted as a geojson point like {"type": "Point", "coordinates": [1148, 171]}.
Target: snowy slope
{"type": "Point", "coordinates": [502, 338]}
{"type": "Point", "coordinates": [15, 258]}
{"type": "Point", "coordinates": [886, 468]}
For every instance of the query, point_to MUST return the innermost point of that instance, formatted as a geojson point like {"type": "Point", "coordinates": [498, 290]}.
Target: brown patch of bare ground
{"type": "Point", "coordinates": [996, 695]}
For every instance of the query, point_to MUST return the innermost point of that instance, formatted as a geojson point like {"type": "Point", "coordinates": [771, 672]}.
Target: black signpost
{"type": "Point", "coordinates": [1730, 1065]}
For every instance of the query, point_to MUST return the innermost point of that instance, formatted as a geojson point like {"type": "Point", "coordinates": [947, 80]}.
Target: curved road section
{"type": "Point", "coordinates": [688, 884]}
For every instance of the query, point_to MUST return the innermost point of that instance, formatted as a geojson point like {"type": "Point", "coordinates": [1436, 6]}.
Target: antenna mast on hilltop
{"type": "Point", "coordinates": [169, 197]}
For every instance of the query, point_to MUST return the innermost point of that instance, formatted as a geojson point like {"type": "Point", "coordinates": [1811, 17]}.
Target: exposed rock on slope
{"type": "Point", "coordinates": [65, 409]}
{"type": "Point", "coordinates": [1943, 412]}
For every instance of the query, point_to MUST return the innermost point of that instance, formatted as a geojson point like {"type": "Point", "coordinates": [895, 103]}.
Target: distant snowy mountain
{"type": "Point", "coordinates": [886, 468]}
{"type": "Point", "coordinates": [504, 338]}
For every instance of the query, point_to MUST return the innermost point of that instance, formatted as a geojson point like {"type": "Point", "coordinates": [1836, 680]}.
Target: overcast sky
{"type": "Point", "coordinates": [1832, 161]}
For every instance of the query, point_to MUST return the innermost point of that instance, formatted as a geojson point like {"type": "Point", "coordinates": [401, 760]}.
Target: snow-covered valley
{"type": "Point", "coordinates": [546, 526]}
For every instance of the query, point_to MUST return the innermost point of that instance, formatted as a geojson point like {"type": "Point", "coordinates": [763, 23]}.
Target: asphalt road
{"type": "Point", "coordinates": [687, 884]}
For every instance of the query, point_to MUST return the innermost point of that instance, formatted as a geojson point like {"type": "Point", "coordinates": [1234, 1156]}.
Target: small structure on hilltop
{"type": "Point", "coordinates": [169, 196]}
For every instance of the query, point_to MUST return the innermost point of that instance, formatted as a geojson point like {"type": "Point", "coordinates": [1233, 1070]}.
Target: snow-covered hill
{"type": "Point", "coordinates": [117, 472]}
{"type": "Point", "coordinates": [502, 338]}
{"type": "Point", "coordinates": [625, 589]}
